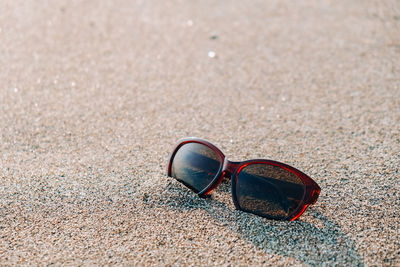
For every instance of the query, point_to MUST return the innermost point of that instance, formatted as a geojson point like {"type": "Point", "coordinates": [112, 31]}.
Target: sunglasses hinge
{"type": "Point", "coordinates": [314, 195]}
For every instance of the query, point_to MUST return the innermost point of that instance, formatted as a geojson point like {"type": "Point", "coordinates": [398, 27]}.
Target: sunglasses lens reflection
{"type": "Point", "coordinates": [195, 165]}
{"type": "Point", "coordinates": [269, 190]}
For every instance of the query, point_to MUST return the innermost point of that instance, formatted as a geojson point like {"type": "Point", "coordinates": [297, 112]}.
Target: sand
{"type": "Point", "coordinates": [95, 94]}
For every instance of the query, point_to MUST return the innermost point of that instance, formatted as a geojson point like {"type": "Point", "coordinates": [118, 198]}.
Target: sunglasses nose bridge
{"type": "Point", "coordinates": [229, 168]}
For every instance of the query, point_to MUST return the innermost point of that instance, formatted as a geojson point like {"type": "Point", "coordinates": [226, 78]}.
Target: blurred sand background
{"type": "Point", "coordinates": [95, 94]}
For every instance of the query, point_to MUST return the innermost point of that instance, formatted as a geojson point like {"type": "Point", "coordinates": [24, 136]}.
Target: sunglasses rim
{"type": "Point", "coordinates": [218, 177]}
{"type": "Point", "coordinates": [311, 188]}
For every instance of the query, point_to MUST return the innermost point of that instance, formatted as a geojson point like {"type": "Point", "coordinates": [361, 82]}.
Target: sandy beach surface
{"type": "Point", "coordinates": [95, 94]}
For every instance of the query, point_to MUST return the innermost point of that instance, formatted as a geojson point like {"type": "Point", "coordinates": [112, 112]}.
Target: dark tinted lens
{"type": "Point", "coordinates": [196, 165]}
{"type": "Point", "coordinates": [268, 190]}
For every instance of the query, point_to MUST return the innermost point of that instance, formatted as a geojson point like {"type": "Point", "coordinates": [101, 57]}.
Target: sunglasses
{"type": "Point", "coordinates": [263, 187]}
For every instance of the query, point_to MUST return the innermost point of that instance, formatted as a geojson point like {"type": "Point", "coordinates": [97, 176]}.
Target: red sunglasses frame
{"type": "Point", "coordinates": [231, 169]}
